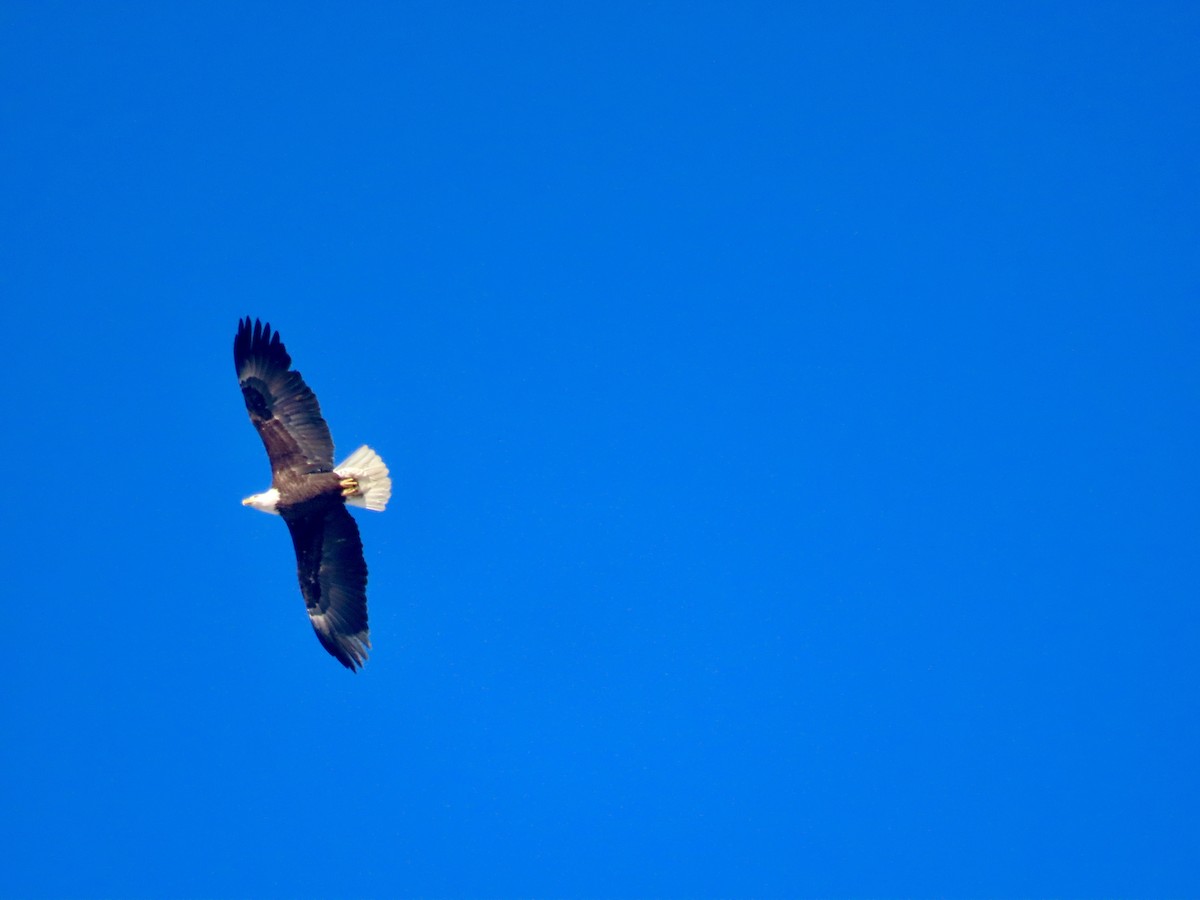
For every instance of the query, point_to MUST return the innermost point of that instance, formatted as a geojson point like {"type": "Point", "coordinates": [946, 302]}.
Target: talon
{"type": "Point", "coordinates": [349, 487]}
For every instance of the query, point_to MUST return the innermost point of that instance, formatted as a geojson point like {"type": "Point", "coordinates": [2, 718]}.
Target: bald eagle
{"type": "Point", "coordinates": [310, 493]}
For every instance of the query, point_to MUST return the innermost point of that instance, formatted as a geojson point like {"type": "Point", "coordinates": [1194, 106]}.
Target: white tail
{"type": "Point", "coordinates": [374, 485]}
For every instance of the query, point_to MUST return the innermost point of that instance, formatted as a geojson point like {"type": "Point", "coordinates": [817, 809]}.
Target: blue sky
{"type": "Point", "coordinates": [792, 412]}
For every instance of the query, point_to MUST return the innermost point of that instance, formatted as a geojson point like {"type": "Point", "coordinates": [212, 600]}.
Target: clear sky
{"type": "Point", "coordinates": [792, 409]}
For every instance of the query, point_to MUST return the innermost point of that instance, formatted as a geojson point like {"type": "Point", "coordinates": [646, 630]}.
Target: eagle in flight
{"type": "Point", "coordinates": [310, 493]}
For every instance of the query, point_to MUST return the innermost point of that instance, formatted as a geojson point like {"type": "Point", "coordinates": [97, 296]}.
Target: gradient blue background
{"type": "Point", "coordinates": [793, 417]}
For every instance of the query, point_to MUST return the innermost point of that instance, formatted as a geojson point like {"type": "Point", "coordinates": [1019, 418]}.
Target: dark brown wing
{"type": "Point", "coordinates": [281, 405]}
{"type": "Point", "coordinates": [333, 580]}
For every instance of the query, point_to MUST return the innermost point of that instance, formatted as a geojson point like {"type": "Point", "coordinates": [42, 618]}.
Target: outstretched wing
{"type": "Point", "coordinates": [281, 405]}
{"type": "Point", "coordinates": [333, 580]}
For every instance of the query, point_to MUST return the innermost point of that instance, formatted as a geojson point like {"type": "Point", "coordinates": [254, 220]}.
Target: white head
{"type": "Point", "coordinates": [265, 501]}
